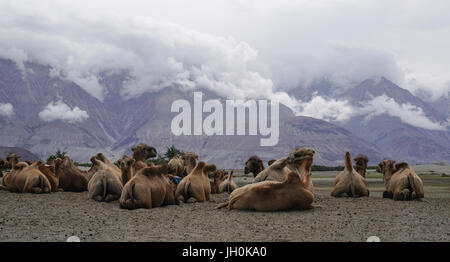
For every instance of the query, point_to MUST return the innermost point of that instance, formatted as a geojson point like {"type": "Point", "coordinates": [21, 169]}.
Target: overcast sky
{"type": "Point", "coordinates": [244, 47]}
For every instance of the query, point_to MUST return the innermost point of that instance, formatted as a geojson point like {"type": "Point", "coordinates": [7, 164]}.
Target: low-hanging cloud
{"type": "Point", "coordinates": [6, 109]}
{"type": "Point", "coordinates": [335, 110]}
{"type": "Point", "coordinates": [61, 111]}
{"type": "Point", "coordinates": [406, 112]}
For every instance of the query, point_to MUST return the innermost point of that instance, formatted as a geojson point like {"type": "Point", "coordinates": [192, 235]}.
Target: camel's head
{"type": "Point", "coordinates": [271, 162]}
{"type": "Point", "coordinates": [143, 152]}
{"type": "Point", "coordinates": [302, 156]}
{"type": "Point", "coordinates": [189, 159]}
{"type": "Point", "coordinates": [385, 165]}
{"type": "Point", "coordinates": [125, 162]}
{"type": "Point", "coordinates": [361, 161]}
{"type": "Point", "coordinates": [254, 165]}
{"type": "Point", "coordinates": [13, 157]}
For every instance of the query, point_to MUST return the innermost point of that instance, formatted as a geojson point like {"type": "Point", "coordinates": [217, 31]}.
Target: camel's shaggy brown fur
{"type": "Point", "coordinates": [254, 165]}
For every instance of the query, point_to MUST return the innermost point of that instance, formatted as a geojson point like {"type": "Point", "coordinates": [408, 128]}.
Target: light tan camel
{"type": "Point", "coordinates": [106, 183]}
{"type": "Point", "coordinates": [25, 178]}
{"type": "Point", "coordinates": [150, 187]}
{"type": "Point", "coordinates": [401, 182]}
{"type": "Point", "coordinates": [299, 159]}
{"type": "Point", "coordinates": [195, 186]}
{"type": "Point", "coordinates": [292, 193]}
{"type": "Point", "coordinates": [349, 181]}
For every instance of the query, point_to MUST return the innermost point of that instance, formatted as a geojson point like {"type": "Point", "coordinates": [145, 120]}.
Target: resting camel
{"type": "Point", "coordinates": [254, 165]}
{"type": "Point", "coordinates": [349, 181]}
{"type": "Point", "coordinates": [126, 165]}
{"type": "Point", "coordinates": [150, 187]}
{"type": "Point", "coordinates": [361, 164]}
{"type": "Point", "coordinates": [271, 162]}
{"type": "Point", "coordinates": [195, 186]}
{"type": "Point", "coordinates": [292, 193]}
{"type": "Point", "coordinates": [106, 183]}
{"type": "Point", "coordinates": [25, 178]}
{"type": "Point", "coordinates": [299, 161]}
{"type": "Point", "coordinates": [227, 185]}
{"type": "Point", "coordinates": [401, 182]}
{"type": "Point", "coordinates": [141, 153]}
{"type": "Point", "coordinates": [218, 177]}
{"type": "Point", "coordinates": [71, 178]}
{"type": "Point", "coordinates": [176, 166]}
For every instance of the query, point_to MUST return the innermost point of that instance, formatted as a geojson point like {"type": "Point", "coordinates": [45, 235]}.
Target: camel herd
{"type": "Point", "coordinates": [285, 184]}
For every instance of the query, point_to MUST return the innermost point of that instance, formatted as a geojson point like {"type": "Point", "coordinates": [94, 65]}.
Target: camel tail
{"type": "Point", "coordinates": [413, 185]}
{"type": "Point", "coordinates": [186, 187]}
{"type": "Point", "coordinates": [131, 191]}
{"type": "Point", "coordinates": [219, 206]}
{"type": "Point", "coordinates": [105, 186]}
{"type": "Point", "coordinates": [348, 162]}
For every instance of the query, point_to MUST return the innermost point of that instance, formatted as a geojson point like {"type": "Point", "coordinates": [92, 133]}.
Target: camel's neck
{"type": "Point", "coordinates": [127, 174]}
{"type": "Point", "coordinates": [387, 177]}
{"type": "Point", "coordinates": [190, 166]}
{"type": "Point", "coordinates": [13, 163]}
{"type": "Point", "coordinates": [361, 171]}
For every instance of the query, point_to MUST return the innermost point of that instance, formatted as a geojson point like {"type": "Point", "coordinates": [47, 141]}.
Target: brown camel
{"type": "Point", "coordinates": [195, 186]}
{"type": "Point", "coordinates": [227, 185]}
{"type": "Point", "coordinates": [127, 168]}
{"type": "Point", "coordinates": [401, 182]}
{"type": "Point", "coordinates": [71, 178]}
{"type": "Point", "coordinates": [254, 165]}
{"type": "Point", "coordinates": [349, 181]}
{"type": "Point", "coordinates": [141, 153]}
{"type": "Point", "coordinates": [150, 187]}
{"type": "Point", "coordinates": [271, 162]}
{"type": "Point", "coordinates": [176, 166]}
{"type": "Point", "coordinates": [361, 164]}
{"type": "Point", "coordinates": [218, 177]}
{"type": "Point", "coordinates": [25, 178]}
{"type": "Point", "coordinates": [189, 162]}
{"type": "Point", "coordinates": [106, 183]}
{"type": "Point", "coordinates": [298, 160]}
{"type": "Point", "coordinates": [292, 193]}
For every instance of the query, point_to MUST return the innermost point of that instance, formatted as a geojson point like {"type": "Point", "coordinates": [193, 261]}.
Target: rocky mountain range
{"type": "Point", "coordinates": [116, 124]}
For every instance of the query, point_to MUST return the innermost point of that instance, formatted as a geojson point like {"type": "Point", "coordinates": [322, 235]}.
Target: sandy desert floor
{"type": "Point", "coordinates": [57, 216]}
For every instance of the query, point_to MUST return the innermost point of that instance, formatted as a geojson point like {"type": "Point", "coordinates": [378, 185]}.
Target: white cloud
{"type": "Point", "coordinates": [406, 112]}
{"type": "Point", "coordinates": [342, 111]}
{"type": "Point", "coordinates": [327, 109]}
{"type": "Point", "coordinates": [60, 111]}
{"type": "Point", "coordinates": [6, 109]}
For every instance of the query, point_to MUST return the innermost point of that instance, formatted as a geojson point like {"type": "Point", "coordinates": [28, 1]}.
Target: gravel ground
{"type": "Point", "coordinates": [56, 216]}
